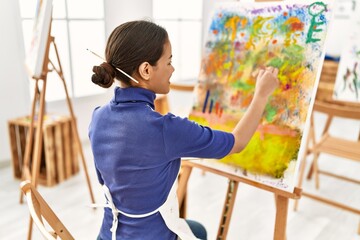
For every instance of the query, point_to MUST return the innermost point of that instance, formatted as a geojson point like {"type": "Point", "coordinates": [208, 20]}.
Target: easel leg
{"type": "Point", "coordinates": [183, 180]}
{"type": "Point", "coordinates": [310, 137]}
{"type": "Point", "coordinates": [313, 167]}
{"type": "Point", "coordinates": [35, 169]}
{"type": "Point", "coordinates": [316, 170]}
{"type": "Point", "coordinates": [310, 173]}
{"type": "Point", "coordinates": [29, 141]}
{"type": "Point", "coordinates": [30, 228]}
{"type": "Point", "coordinates": [301, 177]}
{"type": "Point", "coordinates": [77, 138]}
{"type": "Point", "coordinates": [183, 207]}
{"type": "Point", "coordinates": [73, 123]}
{"type": "Point", "coordinates": [227, 209]}
{"type": "Point", "coordinates": [281, 217]}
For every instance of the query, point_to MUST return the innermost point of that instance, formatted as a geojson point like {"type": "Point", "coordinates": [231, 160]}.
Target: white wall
{"type": "Point", "coordinates": [15, 99]}
{"type": "Point", "coordinates": [119, 11]}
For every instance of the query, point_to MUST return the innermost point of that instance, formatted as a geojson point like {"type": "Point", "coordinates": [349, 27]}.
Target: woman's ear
{"type": "Point", "coordinates": [145, 70]}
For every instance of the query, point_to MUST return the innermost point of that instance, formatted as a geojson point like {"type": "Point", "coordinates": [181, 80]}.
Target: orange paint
{"type": "Point", "coordinates": [276, 130]}
{"type": "Point", "coordinates": [246, 101]}
{"type": "Point", "coordinates": [297, 26]}
{"type": "Point", "coordinates": [294, 24]}
{"type": "Point", "coordinates": [215, 62]}
{"type": "Point", "coordinates": [217, 105]}
{"type": "Point", "coordinates": [243, 22]}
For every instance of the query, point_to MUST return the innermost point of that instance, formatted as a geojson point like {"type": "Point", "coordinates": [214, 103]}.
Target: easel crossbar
{"type": "Point", "coordinates": [296, 194]}
{"type": "Point", "coordinates": [331, 202]}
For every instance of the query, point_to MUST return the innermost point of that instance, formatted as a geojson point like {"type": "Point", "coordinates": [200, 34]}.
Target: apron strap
{"type": "Point", "coordinates": [169, 211]}
{"type": "Point", "coordinates": [115, 212]}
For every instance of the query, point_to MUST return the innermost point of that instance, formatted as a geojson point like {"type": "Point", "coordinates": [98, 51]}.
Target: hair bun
{"type": "Point", "coordinates": [103, 75]}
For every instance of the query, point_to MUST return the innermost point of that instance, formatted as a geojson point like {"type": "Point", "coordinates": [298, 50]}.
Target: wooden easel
{"type": "Point", "coordinates": [327, 143]}
{"type": "Point", "coordinates": [36, 147]}
{"type": "Point", "coordinates": [281, 197]}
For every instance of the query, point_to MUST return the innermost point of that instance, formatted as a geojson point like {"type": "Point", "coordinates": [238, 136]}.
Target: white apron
{"type": "Point", "coordinates": [169, 211]}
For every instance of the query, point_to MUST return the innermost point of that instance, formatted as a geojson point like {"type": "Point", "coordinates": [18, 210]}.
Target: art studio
{"type": "Point", "coordinates": [180, 119]}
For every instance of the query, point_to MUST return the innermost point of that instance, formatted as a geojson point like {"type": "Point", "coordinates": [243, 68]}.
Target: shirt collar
{"type": "Point", "coordinates": [134, 94]}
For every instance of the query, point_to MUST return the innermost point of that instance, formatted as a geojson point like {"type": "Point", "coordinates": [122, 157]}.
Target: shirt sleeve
{"type": "Point", "coordinates": [98, 174]}
{"type": "Point", "coordinates": [185, 138]}
{"type": "Point", "coordinates": [100, 179]}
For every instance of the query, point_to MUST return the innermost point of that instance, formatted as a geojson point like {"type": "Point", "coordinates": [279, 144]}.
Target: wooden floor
{"type": "Point", "coordinates": [253, 216]}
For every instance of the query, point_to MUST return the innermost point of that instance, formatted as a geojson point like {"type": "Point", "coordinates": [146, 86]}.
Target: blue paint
{"type": "Point", "coordinates": [211, 105]}
{"type": "Point", "coordinates": [206, 100]}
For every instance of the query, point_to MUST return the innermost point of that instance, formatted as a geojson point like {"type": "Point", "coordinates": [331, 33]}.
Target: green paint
{"type": "Point", "coordinates": [270, 113]}
{"type": "Point", "coordinates": [294, 54]}
{"type": "Point", "coordinates": [276, 62]}
{"type": "Point", "coordinates": [355, 82]}
{"type": "Point", "coordinates": [319, 8]}
{"type": "Point", "coordinates": [242, 86]}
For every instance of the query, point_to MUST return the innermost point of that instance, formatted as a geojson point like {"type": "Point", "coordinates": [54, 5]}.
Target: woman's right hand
{"type": "Point", "coordinates": [266, 82]}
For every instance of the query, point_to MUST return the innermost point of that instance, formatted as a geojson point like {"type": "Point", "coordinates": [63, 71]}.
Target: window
{"type": "Point", "coordinates": [183, 21]}
{"type": "Point", "coordinates": [76, 26]}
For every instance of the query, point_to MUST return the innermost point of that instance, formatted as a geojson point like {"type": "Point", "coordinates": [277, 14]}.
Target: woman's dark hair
{"type": "Point", "coordinates": [129, 45]}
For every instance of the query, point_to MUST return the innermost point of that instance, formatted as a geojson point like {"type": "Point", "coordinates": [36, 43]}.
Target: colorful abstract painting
{"type": "Point", "coordinates": [243, 38]}
{"type": "Point", "coordinates": [347, 83]}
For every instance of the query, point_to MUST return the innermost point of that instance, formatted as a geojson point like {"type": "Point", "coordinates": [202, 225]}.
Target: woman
{"type": "Point", "coordinates": [137, 151]}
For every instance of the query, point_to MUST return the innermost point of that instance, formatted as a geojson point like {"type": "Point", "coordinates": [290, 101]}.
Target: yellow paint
{"type": "Point", "coordinates": [266, 153]}
{"type": "Point", "coordinates": [270, 156]}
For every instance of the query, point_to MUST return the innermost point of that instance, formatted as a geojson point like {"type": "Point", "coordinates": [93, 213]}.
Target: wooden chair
{"type": "Point", "coordinates": [324, 103]}
{"type": "Point", "coordinates": [330, 144]}
{"type": "Point", "coordinates": [333, 145]}
{"type": "Point", "coordinates": [40, 211]}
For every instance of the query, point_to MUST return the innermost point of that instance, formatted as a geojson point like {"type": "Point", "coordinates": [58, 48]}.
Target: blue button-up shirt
{"type": "Point", "coordinates": [137, 155]}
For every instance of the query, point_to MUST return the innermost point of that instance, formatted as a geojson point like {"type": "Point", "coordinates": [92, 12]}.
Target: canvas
{"type": "Point", "coordinates": [347, 83]}
{"type": "Point", "coordinates": [36, 54]}
{"type": "Point", "coordinates": [243, 38]}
